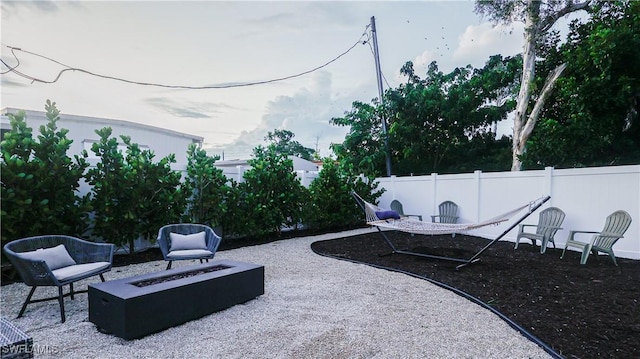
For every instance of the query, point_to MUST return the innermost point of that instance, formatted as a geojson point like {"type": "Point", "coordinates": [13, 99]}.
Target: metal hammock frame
{"type": "Point", "coordinates": [411, 225]}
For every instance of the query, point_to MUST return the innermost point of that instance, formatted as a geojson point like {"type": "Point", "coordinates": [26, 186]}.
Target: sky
{"type": "Point", "coordinates": [214, 43]}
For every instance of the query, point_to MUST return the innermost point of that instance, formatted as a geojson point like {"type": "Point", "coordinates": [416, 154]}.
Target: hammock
{"type": "Point", "coordinates": [411, 225]}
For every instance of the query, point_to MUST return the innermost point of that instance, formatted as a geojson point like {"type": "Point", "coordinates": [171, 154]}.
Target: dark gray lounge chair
{"type": "Point", "coordinates": [187, 241]}
{"type": "Point", "coordinates": [57, 260]}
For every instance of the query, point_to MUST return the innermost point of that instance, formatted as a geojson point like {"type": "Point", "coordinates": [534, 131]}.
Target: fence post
{"type": "Point", "coordinates": [477, 181]}
{"type": "Point", "coordinates": [434, 192]}
{"type": "Point", "coordinates": [393, 187]}
{"type": "Point", "coordinates": [548, 183]}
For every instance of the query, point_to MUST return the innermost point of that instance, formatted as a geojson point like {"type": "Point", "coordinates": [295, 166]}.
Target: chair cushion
{"type": "Point", "coordinates": [387, 214]}
{"type": "Point", "coordinates": [187, 241]}
{"type": "Point", "coordinates": [55, 257]}
{"type": "Point", "coordinates": [80, 271]}
{"type": "Point", "coordinates": [190, 254]}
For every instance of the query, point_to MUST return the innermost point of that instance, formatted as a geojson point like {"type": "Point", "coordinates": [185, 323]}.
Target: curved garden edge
{"type": "Point", "coordinates": [475, 300]}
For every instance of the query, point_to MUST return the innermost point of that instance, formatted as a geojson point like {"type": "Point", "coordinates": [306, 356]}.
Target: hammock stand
{"type": "Point", "coordinates": [409, 225]}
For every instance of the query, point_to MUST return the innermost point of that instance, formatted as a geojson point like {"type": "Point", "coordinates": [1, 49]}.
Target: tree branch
{"type": "Point", "coordinates": [550, 20]}
{"type": "Point", "coordinates": [544, 94]}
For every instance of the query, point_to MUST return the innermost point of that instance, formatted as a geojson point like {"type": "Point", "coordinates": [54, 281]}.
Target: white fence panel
{"type": "Point", "coordinates": [586, 195]}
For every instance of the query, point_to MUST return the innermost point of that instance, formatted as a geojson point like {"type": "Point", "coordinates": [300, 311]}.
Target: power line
{"type": "Point", "coordinates": [381, 73]}
{"type": "Point", "coordinates": [223, 86]}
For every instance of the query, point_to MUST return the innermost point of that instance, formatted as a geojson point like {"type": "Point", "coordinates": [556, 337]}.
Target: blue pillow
{"type": "Point", "coordinates": [387, 214]}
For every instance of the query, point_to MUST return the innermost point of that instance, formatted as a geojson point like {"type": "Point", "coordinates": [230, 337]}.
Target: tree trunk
{"type": "Point", "coordinates": [528, 75]}
{"type": "Point", "coordinates": [534, 25]}
{"type": "Point", "coordinates": [132, 246]}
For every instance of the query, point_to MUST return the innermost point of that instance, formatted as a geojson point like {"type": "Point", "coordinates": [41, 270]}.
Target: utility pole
{"type": "Point", "coordinates": [381, 93]}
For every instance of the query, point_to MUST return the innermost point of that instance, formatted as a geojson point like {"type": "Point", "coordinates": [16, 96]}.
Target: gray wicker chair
{"type": "Point", "coordinates": [204, 252]}
{"type": "Point", "coordinates": [41, 262]}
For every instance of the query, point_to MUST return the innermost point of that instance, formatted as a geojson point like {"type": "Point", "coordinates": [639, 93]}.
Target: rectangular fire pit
{"type": "Point", "coordinates": [133, 307]}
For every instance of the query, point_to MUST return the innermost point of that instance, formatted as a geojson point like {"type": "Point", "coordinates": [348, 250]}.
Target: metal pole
{"type": "Point", "coordinates": [381, 93]}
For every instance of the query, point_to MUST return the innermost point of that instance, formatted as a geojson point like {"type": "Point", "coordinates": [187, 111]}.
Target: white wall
{"type": "Point", "coordinates": [306, 171]}
{"type": "Point", "coordinates": [82, 131]}
{"type": "Point", "coordinates": [586, 195]}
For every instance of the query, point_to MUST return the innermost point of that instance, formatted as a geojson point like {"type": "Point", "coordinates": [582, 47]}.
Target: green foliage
{"type": "Point", "coordinates": [363, 146]}
{"type": "Point", "coordinates": [111, 196]}
{"type": "Point", "coordinates": [283, 143]}
{"type": "Point", "coordinates": [132, 196]}
{"type": "Point", "coordinates": [438, 124]}
{"type": "Point", "coordinates": [271, 195]}
{"type": "Point", "coordinates": [592, 119]}
{"type": "Point", "coordinates": [234, 221]}
{"type": "Point", "coordinates": [206, 187]}
{"type": "Point", "coordinates": [538, 17]}
{"type": "Point", "coordinates": [39, 181]}
{"type": "Point", "coordinates": [331, 204]}
{"type": "Point", "coordinates": [161, 199]}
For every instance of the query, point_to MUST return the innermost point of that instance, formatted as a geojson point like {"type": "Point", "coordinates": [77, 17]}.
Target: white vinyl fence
{"type": "Point", "coordinates": [586, 195]}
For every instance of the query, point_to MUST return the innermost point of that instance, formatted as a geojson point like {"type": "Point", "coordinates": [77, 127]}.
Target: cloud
{"type": "Point", "coordinates": [479, 42]}
{"type": "Point", "coordinates": [4, 82]}
{"type": "Point", "coordinates": [424, 59]}
{"type": "Point", "coordinates": [319, 15]}
{"type": "Point", "coordinates": [474, 47]}
{"type": "Point", "coordinates": [188, 109]}
{"type": "Point", "coordinates": [12, 7]}
{"type": "Point", "coordinates": [29, 8]}
{"type": "Point", "coordinates": [306, 113]}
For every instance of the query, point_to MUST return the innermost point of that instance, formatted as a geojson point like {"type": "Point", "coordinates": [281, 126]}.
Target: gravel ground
{"type": "Point", "coordinates": [313, 307]}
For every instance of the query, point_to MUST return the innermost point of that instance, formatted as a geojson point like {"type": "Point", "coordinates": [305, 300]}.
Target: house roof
{"type": "Point", "coordinates": [102, 121]}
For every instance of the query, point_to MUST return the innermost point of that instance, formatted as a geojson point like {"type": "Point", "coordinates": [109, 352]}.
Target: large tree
{"type": "Point", "coordinates": [436, 121]}
{"type": "Point", "coordinates": [592, 119]}
{"type": "Point", "coordinates": [283, 143]}
{"type": "Point", "coordinates": [442, 123]}
{"type": "Point", "coordinates": [362, 146]}
{"type": "Point", "coordinates": [538, 17]}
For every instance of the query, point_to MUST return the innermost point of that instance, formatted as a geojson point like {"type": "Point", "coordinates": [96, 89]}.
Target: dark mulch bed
{"type": "Point", "coordinates": [580, 311]}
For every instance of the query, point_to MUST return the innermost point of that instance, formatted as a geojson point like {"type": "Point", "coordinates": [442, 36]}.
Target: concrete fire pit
{"type": "Point", "coordinates": [133, 307]}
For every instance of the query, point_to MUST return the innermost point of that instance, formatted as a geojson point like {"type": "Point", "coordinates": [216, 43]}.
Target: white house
{"type": "Point", "coordinates": [306, 171]}
{"type": "Point", "coordinates": [82, 131]}
{"type": "Point", "coordinates": [159, 140]}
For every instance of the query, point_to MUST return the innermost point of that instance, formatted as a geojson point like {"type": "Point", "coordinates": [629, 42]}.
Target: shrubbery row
{"type": "Point", "coordinates": [132, 195]}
